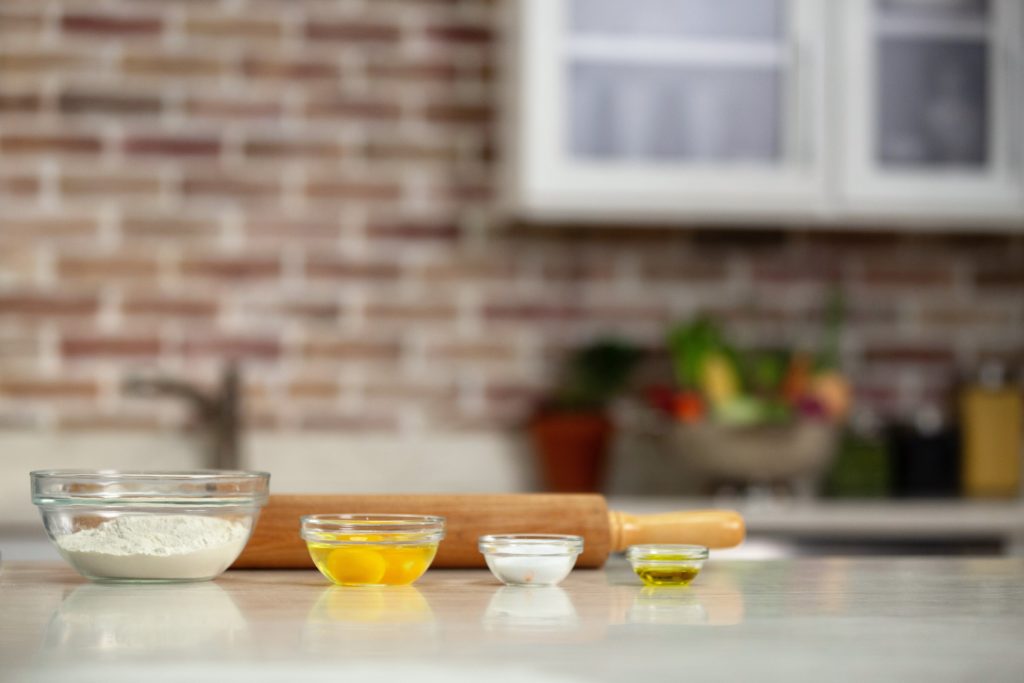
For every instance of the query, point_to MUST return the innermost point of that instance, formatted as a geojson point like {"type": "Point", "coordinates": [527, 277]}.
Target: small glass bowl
{"type": "Point", "coordinates": [372, 550]}
{"type": "Point", "coordinates": [531, 559]}
{"type": "Point", "coordinates": [666, 564]}
{"type": "Point", "coordinates": [155, 516]}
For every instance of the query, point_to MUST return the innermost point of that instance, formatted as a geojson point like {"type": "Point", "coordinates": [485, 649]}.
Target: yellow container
{"type": "Point", "coordinates": [991, 420]}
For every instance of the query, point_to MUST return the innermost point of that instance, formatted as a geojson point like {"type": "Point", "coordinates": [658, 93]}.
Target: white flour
{"type": "Point", "coordinates": [156, 547]}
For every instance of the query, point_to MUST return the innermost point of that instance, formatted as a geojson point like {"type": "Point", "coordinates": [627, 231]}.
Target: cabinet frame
{"type": "Point", "coordinates": [545, 183]}
{"type": "Point", "coordinates": [825, 178]}
{"type": "Point", "coordinates": [868, 191]}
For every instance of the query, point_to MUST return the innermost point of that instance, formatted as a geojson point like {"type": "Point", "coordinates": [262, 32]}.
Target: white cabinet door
{"type": "Point", "coordinates": [931, 109]}
{"type": "Point", "coordinates": [661, 109]}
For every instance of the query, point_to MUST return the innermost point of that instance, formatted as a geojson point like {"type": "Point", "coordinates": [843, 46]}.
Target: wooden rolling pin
{"type": "Point", "coordinates": [275, 544]}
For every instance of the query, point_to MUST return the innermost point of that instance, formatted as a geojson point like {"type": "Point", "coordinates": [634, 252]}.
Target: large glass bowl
{"type": "Point", "coordinates": [149, 526]}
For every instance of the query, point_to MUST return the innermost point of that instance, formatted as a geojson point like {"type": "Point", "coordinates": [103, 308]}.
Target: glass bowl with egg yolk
{"type": "Point", "coordinates": [372, 550]}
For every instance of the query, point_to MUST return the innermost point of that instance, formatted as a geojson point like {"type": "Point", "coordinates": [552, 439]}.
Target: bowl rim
{"type": "Point", "coordinates": [394, 528]}
{"type": "Point", "coordinates": [651, 553]}
{"type": "Point", "coordinates": [530, 545]}
{"type": "Point", "coordinates": [155, 487]}
{"type": "Point", "coordinates": [184, 475]}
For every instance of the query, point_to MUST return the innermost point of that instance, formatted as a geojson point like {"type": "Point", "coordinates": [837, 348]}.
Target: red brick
{"type": "Point", "coordinates": [47, 227]}
{"type": "Point", "coordinates": [463, 351]}
{"type": "Point", "coordinates": [342, 422]}
{"type": "Point", "coordinates": [110, 185]}
{"type": "Point", "coordinates": [38, 304]}
{"type": "Point", "coordinates": [551, 312]}
{"type": "Point", "coordinates": [352, 32]}
{"type": "Point", "coordinates": [909, 355]}
{"type": "Point", "coordinates": [172, 146]}
{"type": "Point", "coordinates": [390, 392]}
{"type": "Point", "coordinates": [20, 24]}
{"type": "Point", "coordinates": [415, 71]}
{"type": "Point", "coordinates": [171, 66]}
{"type": "Point", "coordinates": [412, 313]}
{"type": "Point", "coordinates": [239, 27]}
{"type": "Point", "coordinates": [228, 186]}
{"type": "Point", "coordinates": [320, 389]}
{"type": "Point", "coordinates": [18, 184]}
{"type": "Point", "coordinates": [682, 271]}
{"type": "Point", "coordinates": [293, 149]}
{"type": "Point", "coordinates": [108, 103]}
{"type": "Point", "coordinates": [409, 230]}
{"type": "Point", "coordinates": [45, 143]}
{"type": "Point", "coordinates": [310, 311]}
{"type": "Point", "coordinates": [232, 108]}
{"type": "Point", "coordinates": [338, 268]}
{"type": "Point", "coordinates": [459, 113]}
{"type": "Point", "coordinates": [142, 306]}
{"type": "Point", "coordinates": [1010, 276]}
{"type": "Point", "coordinates": [110, 24]}
{"type": "Point", "coordinates": [88, 346]}
{"type": "Point", "coordinates": [19, 102]}
{"type": "Point", "coordinates": [494, 268]}
{"type": "Point", "coordinates": [259, 226]}
{"type": "Point", "coordinates": [460, 33]}
{"type": "Point", "coordinates": [169, 227]}
{"type": "Point", "coordinates": [399, 151]}
{"type": "Point", "coordinates": [289, 69]}
{"type": "Point", "coordinates": [232, 267]}
{"type": "Point", "coordinates": [346, 107]}
{"type": "Point", "coordinates": [37, 61]}
{"type": "Point", "coordinates": [257, 348]}
{"type": "Point", "coordinates": [907, 275]}
{"type": "Point", "coordinates": [97, 421]}
{"type": "Point", "coordinates": [107, 267]}
{"type": "Point", "coordinates": [35, 388]}
{"type": "Point", "coordinates": [352, 189]}
{"type": "Point", "coordinates": [465, 191]}
{"type": "Point", "coordinates": [330, 348]}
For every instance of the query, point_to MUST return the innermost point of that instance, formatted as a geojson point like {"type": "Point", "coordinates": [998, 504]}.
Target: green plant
{"type": "Point", "coordinates": [594, 374]}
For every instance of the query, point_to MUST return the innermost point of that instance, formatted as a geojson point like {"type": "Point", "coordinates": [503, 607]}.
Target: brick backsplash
{"type": "Point", "coordinates": [308, 187]}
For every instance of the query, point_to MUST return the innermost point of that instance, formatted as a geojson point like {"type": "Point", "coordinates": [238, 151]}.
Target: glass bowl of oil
{"type": "Point", "coordinates": [372, 550]}
{"type": "Point", "coordinates": [667, 565]}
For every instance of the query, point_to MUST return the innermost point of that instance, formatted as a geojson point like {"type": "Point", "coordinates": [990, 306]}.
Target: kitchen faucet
{"type": "Point", "coordinates": [218, 411]}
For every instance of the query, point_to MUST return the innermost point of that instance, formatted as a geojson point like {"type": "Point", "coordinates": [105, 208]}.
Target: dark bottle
{"type": "Point", "coordinates": [925, 457]}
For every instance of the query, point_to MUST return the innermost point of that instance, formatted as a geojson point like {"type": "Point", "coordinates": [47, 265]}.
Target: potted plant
{"type": "Point", "coordinates": [572, 429]}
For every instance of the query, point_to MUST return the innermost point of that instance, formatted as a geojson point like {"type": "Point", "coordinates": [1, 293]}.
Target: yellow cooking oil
{"type": "Point", "coordinates": [667, 569]}
{"type": "Point", "coordinates": [667, 575]}
{"type": "Point", "coordinates": [369, 564]}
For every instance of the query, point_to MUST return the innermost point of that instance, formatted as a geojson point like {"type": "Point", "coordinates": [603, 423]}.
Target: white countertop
{"type": "Point", "coordinates": [929, 619]}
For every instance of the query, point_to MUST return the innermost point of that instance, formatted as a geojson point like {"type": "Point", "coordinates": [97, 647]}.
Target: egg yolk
{"type": "Point", "coordinates": [356, 565]}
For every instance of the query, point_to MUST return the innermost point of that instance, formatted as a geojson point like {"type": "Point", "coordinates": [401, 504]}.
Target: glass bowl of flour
{"type": "Point", "coordinates": [149, 526]}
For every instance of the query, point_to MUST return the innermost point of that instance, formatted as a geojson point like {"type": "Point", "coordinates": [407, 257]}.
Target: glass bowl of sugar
{"type": "Point", "coordinates": [144, 527]}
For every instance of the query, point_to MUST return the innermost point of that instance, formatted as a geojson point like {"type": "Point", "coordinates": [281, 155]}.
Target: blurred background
{"type": "Point", "coordinates": [759, 253]}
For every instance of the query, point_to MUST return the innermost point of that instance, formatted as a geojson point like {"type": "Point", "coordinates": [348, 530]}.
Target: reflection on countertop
{"type": "Point", "coordinates": [119, 621]}
{"type": "Point", "coordinates": [869, 618]}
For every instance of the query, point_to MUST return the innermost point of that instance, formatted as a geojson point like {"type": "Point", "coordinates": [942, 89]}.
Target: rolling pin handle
{"type": "Point", "coordinates": [711, 528]}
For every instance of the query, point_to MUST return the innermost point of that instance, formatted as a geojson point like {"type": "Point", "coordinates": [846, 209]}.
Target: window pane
{"type": "Point", "coordinates": [762, 19]}
{"type": "Point", "coordinates": [938, 9]}
{"type": "Point", "coordinates": [932, 103]}
{"type": "Point", "coordinates": [673, 113]}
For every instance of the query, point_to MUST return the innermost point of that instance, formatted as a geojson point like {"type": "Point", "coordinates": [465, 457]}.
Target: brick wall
{"type": "Point", "coordinates": [306, 186]}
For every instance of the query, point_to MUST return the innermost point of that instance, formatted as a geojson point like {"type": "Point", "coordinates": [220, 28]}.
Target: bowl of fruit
{"type": "Point", "coordinates": [765, 417]}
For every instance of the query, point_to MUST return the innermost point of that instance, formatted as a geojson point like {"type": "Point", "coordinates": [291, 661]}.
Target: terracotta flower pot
{"type": "Point", "coordinates": [572, 450]}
